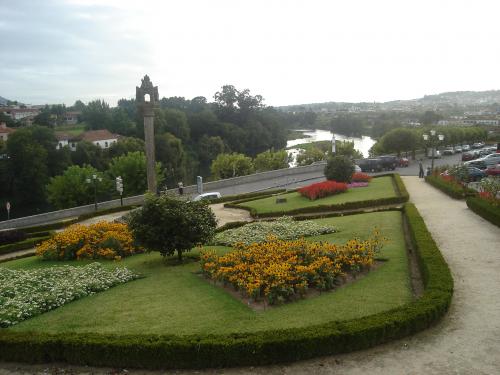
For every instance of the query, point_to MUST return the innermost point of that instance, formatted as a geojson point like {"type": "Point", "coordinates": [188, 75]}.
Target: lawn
{"type": "Point", "coordinates": [72, 130]}
{"type": "Point", "coordinates": [177, 300]}
{"type": "Point", "coordinates": [381, 187]}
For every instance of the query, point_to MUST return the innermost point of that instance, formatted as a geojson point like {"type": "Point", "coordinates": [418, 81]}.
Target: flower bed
{"type": "Point", "coordinates": [284, 228]}
{"type": "Point", "coordinates": [279, 271]}
{"type": "Point", "coordinates": [361, 177]}
{"type": "Point", "coordinates": [102, 240]}
{"type": "Point", "coordinates": [357, 184]}
{"type": "Point", "coordinates": [24, 294]}
{"type": "Point", "coordinates": [322, 189]}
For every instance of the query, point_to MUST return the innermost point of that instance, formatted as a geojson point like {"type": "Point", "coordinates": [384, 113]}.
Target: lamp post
{"type": "Point", "coordinates": [119, 188]}
{"type": "Point", "coordinates": [433, 140]}
{"type": "Point", "coordinates": [94, 180]}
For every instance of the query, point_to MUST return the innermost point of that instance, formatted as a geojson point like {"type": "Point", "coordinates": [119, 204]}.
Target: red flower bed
{"type": "Point", "coordinates": [322, 189]}
{"type": "Point", "coordinates": [361, 177]}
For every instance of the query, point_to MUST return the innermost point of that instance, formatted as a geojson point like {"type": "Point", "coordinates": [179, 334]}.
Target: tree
{"type": "Point", "coordinates": [124, 146]}
{"type": "Point", "coordinates": [170, 225]}
{"type": "Point", "coordinates": [88, 153]}
{"type": "Point", "coordinates": [121, 123]}
{"type": "Point", "coordinates": [71, 188]}
{"type": "Point", "coordinates": [132, 169]}
{"type": "Point", "coordinates": [231, 165]}
{"type": "Point", "coordinates": [346, 148]}
{"type": "Point", "coordinates": [97, 115]}
{"type": "Point", "coordinates": [173, 121]}
{"type": "Point", "coordinates": [348, 125]}
{"type": "Point", "coordinates": [398, 140]}
{"type": "Point", "coordinates": [270, 160]}
{"type": "Point", "coordinates": [339, 168]}
{"type": "Point", "coordinates": [309, 156]}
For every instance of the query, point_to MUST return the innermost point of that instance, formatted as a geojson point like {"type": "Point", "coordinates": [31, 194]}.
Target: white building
{"type": "Point", "coordinates": [5, 131]}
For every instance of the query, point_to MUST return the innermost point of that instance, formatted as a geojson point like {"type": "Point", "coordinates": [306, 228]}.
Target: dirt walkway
{"type": "Point", "coordinates": [467, 341]}
{"type": "Point", "coordinates": [226, 215]}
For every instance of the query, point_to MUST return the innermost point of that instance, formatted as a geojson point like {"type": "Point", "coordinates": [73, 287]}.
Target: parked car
{"type": "Point", "coordinates": [389, 162]}
{"type": "Point", "coordinates": [403, 162]}
{"type": "Point", "coordinates": [436, 155]}
{"type": "Point", "coordinates": [475, 174]}
{"type": "Point", "coordinates": [207, 196]}
{"type": "Point", "coordinates": [357, 169]}
{"type": "Point", "coordinates": [465, 148]}
{"type": "Point", "coordinates": [476, 163]}
{"type": "Point", "coordinates": [485, 151]}
{"type": "Point", "coordinates": [478, 145]}
{"type": "Point", "coordinates": [448, 151]}
{"type": "Point", "coordinates": [493, 170]}
{"type": "Point", "coordinates": [491, 159]}
{"type": "Point", "coordinates": [458, 149]}
{"type": "Point", "coordinates": [370, 165]}
{"type": "Point", "coordinates": [467, 156]}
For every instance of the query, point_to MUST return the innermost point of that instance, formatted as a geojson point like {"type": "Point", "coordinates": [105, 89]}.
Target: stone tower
{"type": "Point", "coordinates": [147, 99]}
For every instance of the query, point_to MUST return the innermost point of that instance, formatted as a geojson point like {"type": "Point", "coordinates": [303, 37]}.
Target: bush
{"type": "Point", "coordinates": [11, 236]}
{"type": "Point", "coordinates": [258, 348]}
{"type": "Point", "coordinates": [449, 187]}
{"type": "Point", "coordinates": [279, 271]}
{"type": "Point", "coordinates": [339, 168]}
{"type": "Point", "coordinates": [485, 209]}
{"type": "Point", "coordinates": [102, 240]}
{"type": "Point", "coordinates": [284, 228]}
{"type": "Point", "coordinates": [361, 177]}
{"type": "Point", "coordinates": [322, 189]}
{"type": "Point", "coordinates": [168, 224]}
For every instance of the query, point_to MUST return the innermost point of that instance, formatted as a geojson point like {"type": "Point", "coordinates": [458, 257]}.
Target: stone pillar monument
{"type": "Point", "coordinates": [147, 98]}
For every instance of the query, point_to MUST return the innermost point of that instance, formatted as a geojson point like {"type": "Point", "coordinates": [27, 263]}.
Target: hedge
{"type": "Point", "coordinates": [24, 245]}
{"type": "Point", "coordinates": [49, 227]}
{"type": "Point", "coordinates": [448, 188]}
{"type": "Point", "coordinates": [484, 209]}
{"type": "Point", "coordinates": [246, 197]}
{"type": "Point", "coordinates": [259, 348]}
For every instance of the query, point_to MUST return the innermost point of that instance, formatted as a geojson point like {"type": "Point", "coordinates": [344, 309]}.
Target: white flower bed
{"type": "Point", "coordinates": [284, 228]}
{"type": "Point", "coordinates": [27, 293]}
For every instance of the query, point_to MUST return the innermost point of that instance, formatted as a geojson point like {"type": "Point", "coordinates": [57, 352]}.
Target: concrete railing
{"type": "Point", "coordinates": [68, 213]}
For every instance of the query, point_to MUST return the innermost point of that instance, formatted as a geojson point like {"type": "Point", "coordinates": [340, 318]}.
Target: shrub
{"type": "Point", "coordinates": [11, 236]}
{"type": "Point", "coordinates": [168, 224]}
{"type": "Point", "coordinates": [284, 228]}
{"type": "Point", "coordinates": [322, 189]}
{"type": "Point", "coordinates": [361, 177]}
{"type": "Point", "coordinates": [279, 271]}
{"type": "Point", "coordinates": [447, 185]}
{"type": "Point", "coordinates": [102, 240]}
{"type": "Point", "coordinates": [24, 294]}
{"type": "Point", "coordinates": [339, 168]}
{"type": "Point", "coordinates": [485, 209]}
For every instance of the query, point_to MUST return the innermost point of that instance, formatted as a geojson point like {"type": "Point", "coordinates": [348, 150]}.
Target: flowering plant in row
{"type": "Point", "coordinates": [322, 189]}
{"type": "Point", "coordinates": [103, 240]}
{"type": "Point", "coordinates": [284, 228]}
{"type": "Point", "coordinates": [357, 184]}
{"type": "Point", "coordinates": [361, 177]}
{"type": "Point", "coordinates": [279, 271]}
{"type": "Point", "coordinates": [24, 294]}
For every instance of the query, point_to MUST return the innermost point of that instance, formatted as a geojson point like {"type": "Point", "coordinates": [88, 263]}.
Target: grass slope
{"type": "Point", "coordinates": [175, 300]}
{"type": "Point", "coordinates": [380, 187]}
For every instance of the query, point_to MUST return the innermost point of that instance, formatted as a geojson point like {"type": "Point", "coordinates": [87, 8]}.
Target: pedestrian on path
{"type": "Point", "coordinates": [421, 169]}
{"type": "Point", "coordinates": [181, 188]}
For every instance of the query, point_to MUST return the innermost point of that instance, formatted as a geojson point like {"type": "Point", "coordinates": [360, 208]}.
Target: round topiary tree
{"type": "Point", "coordinates": [168, 225]}
{"type": "Point", "coordinates": [339, 168]}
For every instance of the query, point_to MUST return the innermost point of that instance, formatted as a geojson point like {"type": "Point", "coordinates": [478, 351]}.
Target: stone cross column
{"type": "Point", "coordinates": [147, 99]}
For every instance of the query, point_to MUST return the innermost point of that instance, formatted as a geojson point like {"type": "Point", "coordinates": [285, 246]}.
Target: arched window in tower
{"type": "Point", "coordinates": [147, 98]}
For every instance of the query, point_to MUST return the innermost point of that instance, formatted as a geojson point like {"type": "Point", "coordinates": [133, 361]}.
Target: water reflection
{"type": "Point", "coordinates": [362, 144]}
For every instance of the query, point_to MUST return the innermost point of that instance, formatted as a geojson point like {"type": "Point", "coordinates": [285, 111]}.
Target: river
{"type": "Point", "coordinates": [362, 144]}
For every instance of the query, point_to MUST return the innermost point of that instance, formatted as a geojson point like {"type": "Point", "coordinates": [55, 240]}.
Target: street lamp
{"type": "Point", "coordinates": [94, 181]}
{"type": "Point", "coordinates": [119, 188]}
{"type": "Point", "coordinates": [433, 141]}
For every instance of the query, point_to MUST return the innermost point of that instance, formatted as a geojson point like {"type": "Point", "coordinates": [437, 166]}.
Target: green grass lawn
{"type": "Point", "coordinates": [177, 300]}
{"type": "Point", "coordinates": [72, 130]}
{"type": "Point", "coordinates": [380, 187]}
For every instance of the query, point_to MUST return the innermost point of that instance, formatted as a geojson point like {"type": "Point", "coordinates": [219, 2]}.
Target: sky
{"type": "Point", "coordinates": [288, 51]}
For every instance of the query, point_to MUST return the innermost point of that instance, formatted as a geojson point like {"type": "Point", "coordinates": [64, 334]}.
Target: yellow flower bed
{"type": "Point", "coordinates": [279, 271]}
{"type": "Point", "coordinates": [103, 240]}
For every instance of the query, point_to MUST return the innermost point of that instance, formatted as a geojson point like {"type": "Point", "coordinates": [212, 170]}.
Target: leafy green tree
{"type": "Point", "coordinates": [121, 123]}
{"type": "Point", "coordinates": [231, 165]}
{"type": "Point", "coordinates": [309, 156]}
{"type": "Point", "coordinates": [71, 189]}
{"type": "Point", "coordinates": [170, 225]}
{"type": "Point", "coordinates": [398, 140]}
{"type": "Point", "coordinates": [339, 168]}
{"type": "Point", "coordinates": [346, 148]}
{"type": "Point", "coordinates": [348, 125]}
{"type": "Point", "coordinates": [170, 152]}
{"type": "Point", "coordinates": [173, 121]}
{"type": "Point", "coordinates": [132, 169]}
{"type": "Point", "coordinates": [271, 160]}
{"type": "Point", "coordinates": [89, 153]}
{"type": "Point", "coordinates": [97, 115]}
{"type": "Point", "coordinates": [124, 146]}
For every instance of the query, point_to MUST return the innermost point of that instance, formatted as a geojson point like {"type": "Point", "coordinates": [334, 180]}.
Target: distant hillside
{"type": "Point", "coordinates": [446, 100]}
{"type": "Point", "coordinates": [3, 101]}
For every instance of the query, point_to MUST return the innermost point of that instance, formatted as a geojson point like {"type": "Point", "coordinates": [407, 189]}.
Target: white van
{"type": "Point", "coordinates": [207, 196]}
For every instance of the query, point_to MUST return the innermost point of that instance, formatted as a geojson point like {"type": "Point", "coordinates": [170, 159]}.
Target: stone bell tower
{"type": "Point", "coordinates": [147, 99]}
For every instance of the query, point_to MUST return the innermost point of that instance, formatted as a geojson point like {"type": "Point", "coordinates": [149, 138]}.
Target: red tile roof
{"type": "Point", "coordinates": [97, 135]}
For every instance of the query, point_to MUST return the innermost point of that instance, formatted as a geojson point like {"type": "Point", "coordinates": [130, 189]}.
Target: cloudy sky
{"type": "Point", "coordinates": [290, 52]}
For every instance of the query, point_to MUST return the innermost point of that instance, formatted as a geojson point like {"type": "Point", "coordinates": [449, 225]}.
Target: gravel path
{"type": "Point", "coordinates": [467, 341]}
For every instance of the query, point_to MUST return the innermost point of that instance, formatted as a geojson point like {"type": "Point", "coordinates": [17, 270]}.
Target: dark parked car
{"type": "Point", "coordinates": [476, 163]}
{"type": "Point", "coordinates": [467, 156]}
{"type": "Point", "coordinates": [370, 165]}
{"type": "Point", "coordinates": [493, 170]}
{"type": "Point", "coordinates": [475, 174]}
{"type": "Point", "coordinates": [389, 162]}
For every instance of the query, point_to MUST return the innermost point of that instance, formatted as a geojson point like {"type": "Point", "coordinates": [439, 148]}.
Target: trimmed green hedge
{"type": "Point", "coordinates": [484, 209]}
{"type": "Point", "coordinates": [49, 227]}
{"type": "Point", "coordinates": [105, 212]}
{"type": "Point", "coordinates": [260, 348]}
{"type": "Point", "coordinates": [23, 245]}
{"type": "Point", "coordinates": [452, 190]}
